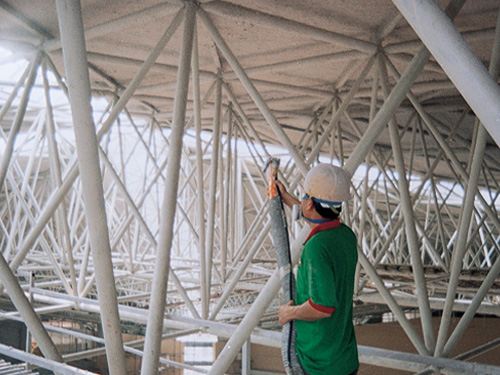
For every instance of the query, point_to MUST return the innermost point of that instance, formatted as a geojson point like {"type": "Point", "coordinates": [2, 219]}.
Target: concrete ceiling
{"type": "Point", "coordinates": [303, 58]}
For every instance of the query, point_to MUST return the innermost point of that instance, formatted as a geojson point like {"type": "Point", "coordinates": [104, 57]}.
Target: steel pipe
{"type": "Point", "coordinates": [152, 344]}
{"type": "Point", "coordinates": [18, 120]}
{"type": "Point", "coordinates": [410, 229]}
{"type": "Point", "coordinates": [464, 229]}
{"type": "Point", "coordinates": [394, 99]}
{"type": "Point", "coordinates": [58, 197]}
{"type": "Point", "coordinates": [217, 125]}
{"type": "Point", "coordinates": [113, 26]}
{"type": "Point", "coordinates": [252, 91]}
{"type": "Point", "coordinates": [47, 363]}
{"type": "Point", "coordinates": [227, 192]}
{"type": "Point", "coordinates": [413, 362]}
{"type": "Point", "coordinates": [251, 319]}
{"type": "Point", "coordinates": [27, 312]}
{"type": "Point", "coordinates": [57, 180]}
{"type": "Point", "coordinates": [457, 59]}
{"type": "Point", "coordinates": [317, 147]}
{"type": "Point", "coordinates": [200, 202]}
{"type": "Point", "coordinates": [249, 15]}
{"type": "Point", "coordinates": [143, 224]}
{"type": "Point", "coordinates": [75, 62]}
{"type": "Point", "coordinates": [8, 102]}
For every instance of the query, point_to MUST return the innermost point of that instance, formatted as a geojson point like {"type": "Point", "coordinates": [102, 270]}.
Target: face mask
{"type": "Point", "coordinates": [315, 221]}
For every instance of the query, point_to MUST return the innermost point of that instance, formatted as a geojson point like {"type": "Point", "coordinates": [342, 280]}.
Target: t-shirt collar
{"type": "Point", "coordinates": [321, 227]}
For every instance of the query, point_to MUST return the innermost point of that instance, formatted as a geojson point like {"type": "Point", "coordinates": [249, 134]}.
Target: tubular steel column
{"type": "Point", "coordinates": [75, 62]}
{"type": "Point", "coordinates": [213, 185]}
{"type": "Point", "coordinates": [57, 180]}
{"type": "Point", "coordinates": [457, 59]}
{"type": "Point", "coordinates": [199, 178]}
{"type": "Point", "coordinates": [152, 346]}
{"type": "Point", "coordinates": [464, 229]}
{"type": "Point", "coordinates": [227, 192]}
{"type": "Point", "coordinates": [410, 229]}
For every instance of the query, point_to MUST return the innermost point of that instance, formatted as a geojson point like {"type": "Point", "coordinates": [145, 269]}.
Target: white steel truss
{"type": "Point", "coordinates": [160, 218]}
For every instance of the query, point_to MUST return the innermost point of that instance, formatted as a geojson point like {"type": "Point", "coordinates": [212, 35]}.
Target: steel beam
{"type": "Point", "coordinates": [27, 312]}
{"type": "Point", "coordinates": [252, 317]}
{"type": "Point", "coordinates": [200, 202]}
{"type": "Point", "coordinates": [217, 125]}
{"type": "Point", "coordinates": [252, 91]}
{"type": "Point", "coordinates": [75, 62]}
{"type": "Point", "coordinates": [160, 278]}
{"type": "Point", "coordinates": [249, 15]}
{"type": "Point", "coordinates": [464, 229]}
{"type": "Point", "coordinates": [18, 120]}
{"type": "Point", "coordinates": [457, 59]}
{"type": "Point", "coordinates": [411, 232]}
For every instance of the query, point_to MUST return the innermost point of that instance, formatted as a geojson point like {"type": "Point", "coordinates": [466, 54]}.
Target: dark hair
{"type": "Point", "coordinates": [327, 213]}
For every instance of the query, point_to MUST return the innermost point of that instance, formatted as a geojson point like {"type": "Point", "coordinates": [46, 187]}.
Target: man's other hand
{"type": "Point", "coordinates": [285, 313]}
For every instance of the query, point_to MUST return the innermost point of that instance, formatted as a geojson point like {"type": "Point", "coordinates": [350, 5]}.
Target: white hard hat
{"type": "Point", "coordinates": [328, 183]}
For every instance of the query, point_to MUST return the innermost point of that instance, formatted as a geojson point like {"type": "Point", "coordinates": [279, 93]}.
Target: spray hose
{"type": "Point", "coordinates": [281, 242]}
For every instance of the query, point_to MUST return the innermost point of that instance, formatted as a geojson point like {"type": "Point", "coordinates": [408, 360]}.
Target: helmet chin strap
{"type": "Point", "coordinates": [316, 221]}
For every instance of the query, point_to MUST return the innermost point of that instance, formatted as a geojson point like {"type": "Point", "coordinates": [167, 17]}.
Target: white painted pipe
{"type": "Point", "coordinates": [464, 229]}
{"type": "Point", "coordinates": [457, 59]}
{"type": "Point", "coordinates": [75, 62]}
{"type": "Point", "coordinates": [114, 26]}
{"type": "Point", "coordinates": [47, 363]}
{"type": "Point", "coordinates": [410, 229]}
{"type": "Point", "coordinates": [251, 319]}
{"type": "Point", "coordinates": [26, 311]}
{"type": "Point", "coordinates": [152, 346]}
{"type": "Point", "coordinates": [18, 120]}
{"type": "Point", "coordinates": [236, 12]}
{"type": "Point", "coordinates": [199, 177]}
{"type": "Point", "coordinates": [58, 197]}
{"type": "Point", "coordinates": [252, 91]}
{"type": "Point", "coordinates": [209, 247]}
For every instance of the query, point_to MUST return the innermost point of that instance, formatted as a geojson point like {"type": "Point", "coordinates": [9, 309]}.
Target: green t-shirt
{"type": "Point", "coordinates": [326, 275]}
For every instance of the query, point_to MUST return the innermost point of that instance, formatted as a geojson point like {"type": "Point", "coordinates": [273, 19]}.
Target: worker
{"type": "Point", "coordinates": [322, 310]}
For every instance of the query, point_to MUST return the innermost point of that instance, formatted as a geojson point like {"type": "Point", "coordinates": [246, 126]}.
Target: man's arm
{"type": "Point", "coordinates": [305, 311]}
{"type": "Point", "coordinates": [287, 198]}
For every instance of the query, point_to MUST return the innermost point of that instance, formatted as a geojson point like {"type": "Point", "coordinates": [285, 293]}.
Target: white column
{"type": "Point", "coordinates": [246, 358]}
{"type": "Point", "coordinates": [75, 62]}
{"type": "Point", "coordinates": [210, 235]}
{"type": "Point", "coordinates": [154, 328]}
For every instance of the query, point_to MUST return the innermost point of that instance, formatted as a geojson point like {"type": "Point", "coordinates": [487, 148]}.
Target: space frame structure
{"type": "Point", "coordinates": [161, 219]}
